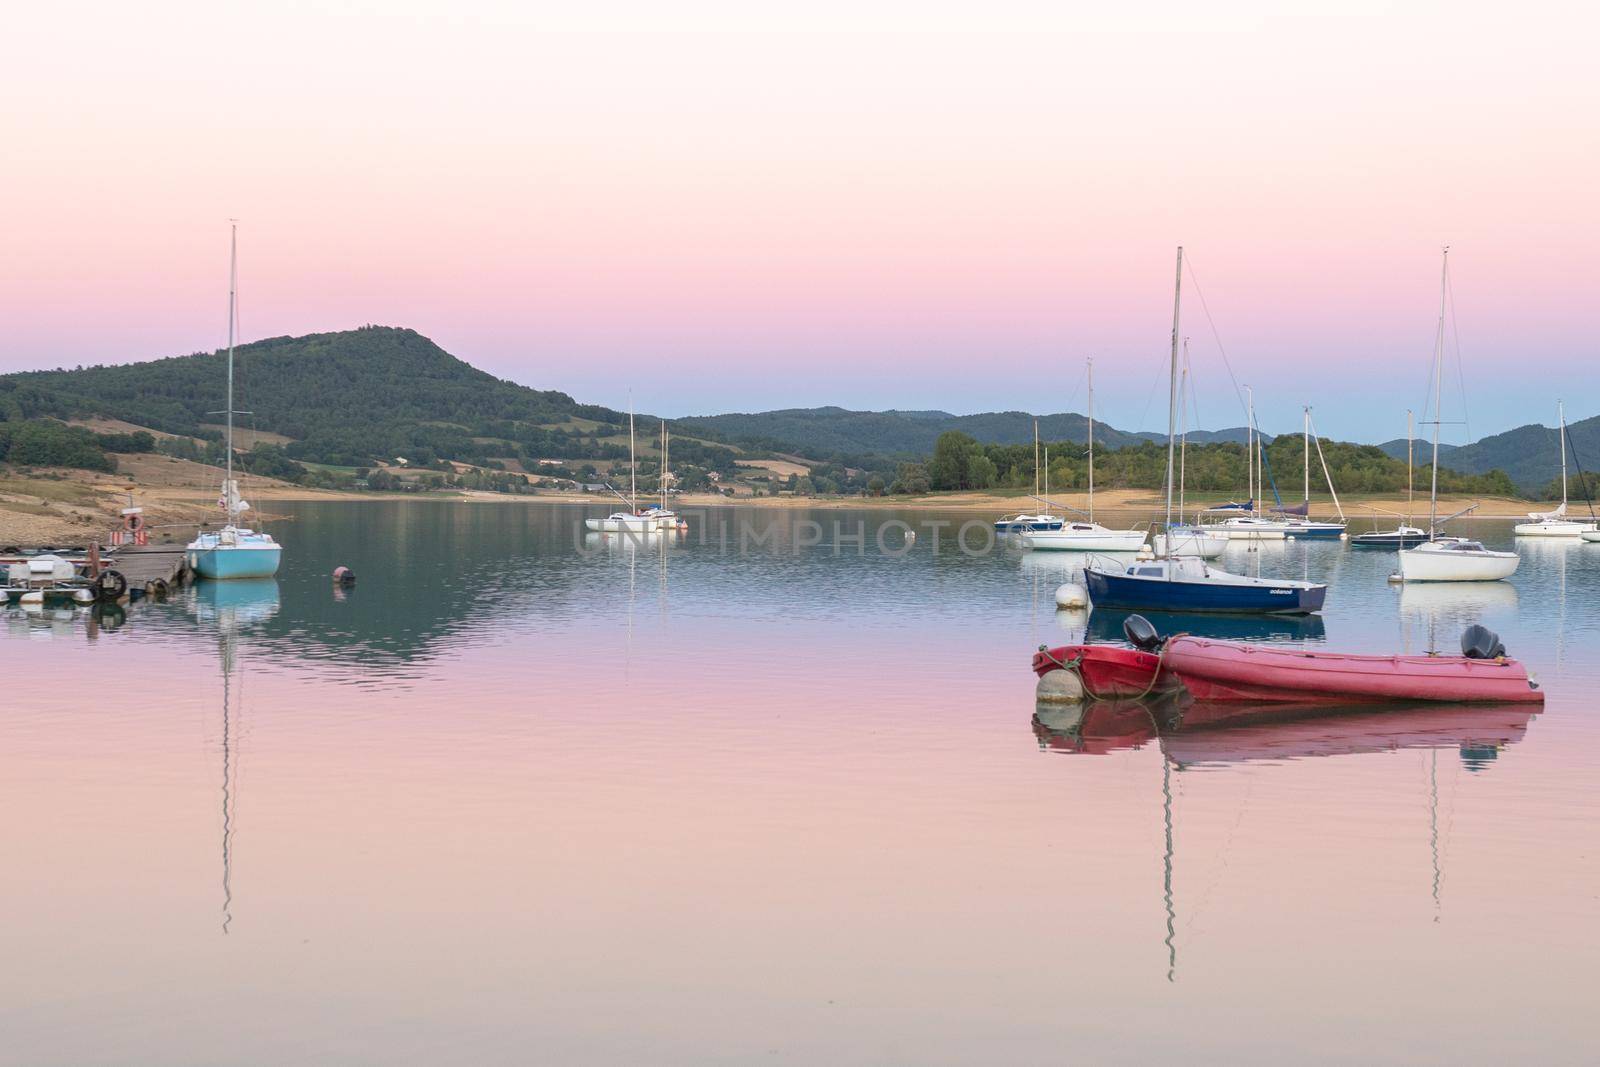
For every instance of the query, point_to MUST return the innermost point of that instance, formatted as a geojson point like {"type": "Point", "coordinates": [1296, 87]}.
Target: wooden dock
{"type": "Point", "coordinates": [144, 566]}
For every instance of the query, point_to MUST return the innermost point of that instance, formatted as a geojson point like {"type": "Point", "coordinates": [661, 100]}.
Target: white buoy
{"type": "Point", "coordinates": [1059, 687]}
{"type": "Point", "coordinates": [1072, 595]}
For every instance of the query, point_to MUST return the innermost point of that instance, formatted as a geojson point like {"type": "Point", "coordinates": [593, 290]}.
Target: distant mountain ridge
{"type": "Point", "coordinates": [1530, 455]}
{"type": "Point", "coordinates": [354, 396]}
{"type": "Point", "coordinates": [831, 431]}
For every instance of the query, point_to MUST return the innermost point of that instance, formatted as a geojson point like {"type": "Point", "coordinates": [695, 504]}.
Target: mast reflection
{"type": "Point", "coordinates": [229, 609]}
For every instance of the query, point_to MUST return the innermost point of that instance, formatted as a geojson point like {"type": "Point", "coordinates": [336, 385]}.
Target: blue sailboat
{"type": "Point", "coordinates": [1188, 583]}
{"type": "Point", "coordinates": [233, 551]}
{"type": "Point", "coordinates": [1300, 523]}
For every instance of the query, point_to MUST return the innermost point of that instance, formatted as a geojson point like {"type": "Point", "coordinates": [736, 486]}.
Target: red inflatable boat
{"type": "Point", "coordinates": [1233, 672]}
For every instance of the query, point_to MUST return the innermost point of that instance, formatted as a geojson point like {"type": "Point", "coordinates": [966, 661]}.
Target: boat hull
{"type": "Point", "coordinates": [1247, 531]}
{"type": "Point", "coordinates": [1552, 529]}
{"type": "Point", "coordinates": [1124, 591]}
{"type": "Point", "coordinates": [1108, 672]}
{"type": "Point", "coordinates": [1231, 672]}
{"type": "Point", "coordinates": [1069, 540]}
{"type": "Point", "coordinates": [1317, 531]}
{"type": "Point", "coordinates": [1591, 536]}
{"type": "Point", "coordinates": [1391, 541]}
{"type": "Point", "coordinates": [1417, 565]}
{"type": "Point", "coordinates": [235, 562]}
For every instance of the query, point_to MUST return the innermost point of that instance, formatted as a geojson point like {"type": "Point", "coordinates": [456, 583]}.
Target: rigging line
{"type": "Point", "coordinates": [1461, 375]}
{"type": "Point", "coordinates": [1584, 483]}
{"type": "Point", "coordinates": [1238, 392]}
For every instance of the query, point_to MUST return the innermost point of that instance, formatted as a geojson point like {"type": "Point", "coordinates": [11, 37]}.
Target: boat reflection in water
{"type": "Point", "coordinates": [1478, 733]}
{"type": "Point", "coordinates": [1448, 607]}
{"type": "Point", "coordinates": [231, 608]}
{"type": "Point", "coordinates": [1105, 626]}
{"type": "Point", "coordinates": [1102, 726]}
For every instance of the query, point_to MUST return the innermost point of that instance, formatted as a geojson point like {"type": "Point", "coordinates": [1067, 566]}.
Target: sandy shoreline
{"type": "Point", "coordinates": [72, 507]}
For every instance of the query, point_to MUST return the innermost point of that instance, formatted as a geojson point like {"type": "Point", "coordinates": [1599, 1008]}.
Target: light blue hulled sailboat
{"type": "Point", "coordinates": [233, 551]}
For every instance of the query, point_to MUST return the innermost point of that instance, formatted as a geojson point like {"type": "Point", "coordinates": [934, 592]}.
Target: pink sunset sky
{"type": "Point", "coordinates": [886, 206]}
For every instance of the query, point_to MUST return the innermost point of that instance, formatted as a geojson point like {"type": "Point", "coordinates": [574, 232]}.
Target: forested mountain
{"type": "Point", "coordinates": [348, 398]}
{"type": "Point", "coordinates": [832, 432]}
{"type": "Point", "coordinates": [1530, 455]}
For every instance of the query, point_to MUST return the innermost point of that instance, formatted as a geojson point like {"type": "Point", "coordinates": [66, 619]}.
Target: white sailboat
{"type": "Point", "coordinates": [1024, 522]}
{"type": "Point", "coordinates": [1555, 523]}
{"type": "Point", "coordinates": [1087, 536]}
{"type": "Point", "coordinates": [234, 551]}
{"type": "Point", "coordinates": [1244, 522]}
{"type": "Point", "coordinates": [652, 519]}
{"type": "Point", "coordinates": [1181, 539]}
{"type": "Point", "coordinates": [1449, 559]}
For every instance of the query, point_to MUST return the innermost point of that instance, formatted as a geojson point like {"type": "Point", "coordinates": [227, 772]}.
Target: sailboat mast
{"type": "Point", "coordinates": [228, 494]}
{"type": "Point", "coordinates": [1036, 461]}
{"type": "Point", "coordinates": [1305, 493]}
{"type": "Point", "coordinates": [1183, 434]}
{"type": "Point", "coordinates": [1561, 418]}
{"type": "Point", "coordinates": [633, 461]}
{"type": "Point", "coordinates": [1091, 440]}
{"type": "Point", "coordinates": [1250, 447]}
{"type": "Point", "coordinates": [1438, 392]}
{"type": "Point", "coordinates": [1172, 390]}
{"type": "Point", "coordinates": [663, 465]}
{"type": "Point", "coordinates": [1411, 463]}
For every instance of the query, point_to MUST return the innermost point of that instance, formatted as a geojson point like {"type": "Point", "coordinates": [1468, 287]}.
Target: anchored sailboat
{"type": "Point", "coordinates": [1187, 583]}
{"type": "Point", "coordinates": [1303, 526]}
{"type": "Point", "coordinates": [1448, 559]}
{"type": "Point", "coordinates": [233, 551]}
{"type": "Point", "coordinates": [1405, 535]}
{"type": "Point", "coordinates": [1182, 539]}
{"type": "Point", "coordinates": [653, 519]}
{"type": "Point", "coordinates": [1555, 523]}
{"type": "Point", "coordinates": [1244, 521]}
{"type": "Point", "coordinates": [1025, 523]}
{"type": "Point", "coordinates": [1087, 536]}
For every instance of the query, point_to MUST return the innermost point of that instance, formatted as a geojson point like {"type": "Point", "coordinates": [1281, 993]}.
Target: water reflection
{"type": "Point", "coordinates": [1101, 727]}
{"type": "Point", "coordinates": [1479, 734]}
{"type": "Point", "coordinates": [1105, 624]}
{"type": "Point", "coordinates": [227, 609]}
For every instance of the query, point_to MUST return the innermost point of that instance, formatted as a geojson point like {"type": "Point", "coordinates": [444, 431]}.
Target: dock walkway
{"type": "Point", "coordinates": [145, 565]}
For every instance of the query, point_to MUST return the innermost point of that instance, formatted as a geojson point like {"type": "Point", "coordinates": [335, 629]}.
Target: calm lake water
{"type": "Point", "coordinates": [522, 798]}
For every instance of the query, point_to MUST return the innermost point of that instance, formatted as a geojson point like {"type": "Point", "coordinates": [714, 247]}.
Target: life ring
{"type": "Point", "coordinates": [110, 585]}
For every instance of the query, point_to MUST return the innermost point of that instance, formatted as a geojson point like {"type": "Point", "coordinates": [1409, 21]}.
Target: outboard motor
{"type": "Point", "coordinates": [1480, 642]}
{"type": "Point", "coordinates": [1140, 634]}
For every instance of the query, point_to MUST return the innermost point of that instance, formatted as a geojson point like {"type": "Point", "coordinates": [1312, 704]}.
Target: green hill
{"type": "Point", "coordinates": [346, 399]}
